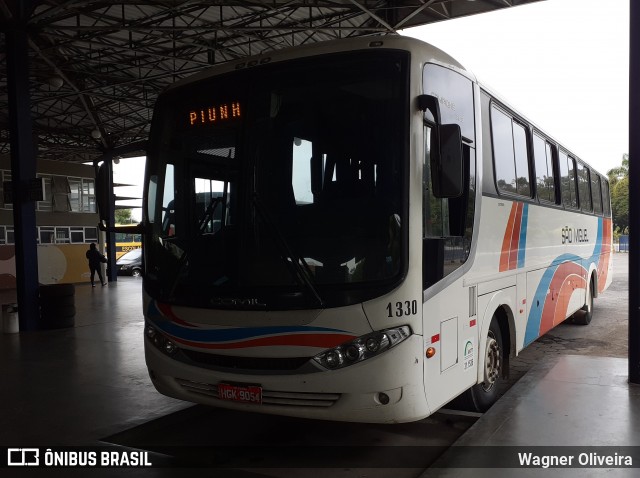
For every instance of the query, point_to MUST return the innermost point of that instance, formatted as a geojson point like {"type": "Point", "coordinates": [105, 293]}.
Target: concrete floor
{"type": "Point", "coordinates": [74, 386]}
{"type": "Point", "coordinates": [567, 406]}
{"type": "Point", "coordinates": [80, 385]}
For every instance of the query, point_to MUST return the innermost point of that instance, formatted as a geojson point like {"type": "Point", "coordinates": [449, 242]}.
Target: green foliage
{"type": "Point", "coordinates": [123, 216]}
{"type": "Point", "coordinates": [619, 185]}
{"type": "Point", "coordinates": [622, 171]}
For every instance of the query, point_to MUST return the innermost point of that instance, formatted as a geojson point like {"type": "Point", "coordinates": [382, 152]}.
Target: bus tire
{"type": "Point", "coordinates": [481, 396]}
{"type": "Point", "coordinates": [584, 315]}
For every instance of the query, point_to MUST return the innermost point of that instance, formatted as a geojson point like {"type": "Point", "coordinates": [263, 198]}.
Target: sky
{"type": "Point", "coordinates": [563, 64]}
{"type": "Point", "coordinates": [130, 171]}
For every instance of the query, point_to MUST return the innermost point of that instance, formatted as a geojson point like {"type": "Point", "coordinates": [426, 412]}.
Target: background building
{"type": "Point", "coordinates": [66, 222]}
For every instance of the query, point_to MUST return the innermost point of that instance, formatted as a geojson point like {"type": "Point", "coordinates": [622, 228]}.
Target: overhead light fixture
{"type": "Point", "coordinates": [96, 134]}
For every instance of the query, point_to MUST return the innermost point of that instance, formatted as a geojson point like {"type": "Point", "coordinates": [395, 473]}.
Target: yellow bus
{"type": "Point", "coordinates": [126, 242]}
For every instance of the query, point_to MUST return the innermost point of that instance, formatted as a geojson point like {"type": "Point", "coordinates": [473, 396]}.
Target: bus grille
{"type": "Point", "coordinates": [269, 397]}
{"type": "Point", "coordinates": [245, 363]}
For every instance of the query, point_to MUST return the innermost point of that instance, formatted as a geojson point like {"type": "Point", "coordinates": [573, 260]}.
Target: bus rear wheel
{"type": "Point", "coordinates": [584, 315]}
{"type": "Point", "coordinates": [481, 396]}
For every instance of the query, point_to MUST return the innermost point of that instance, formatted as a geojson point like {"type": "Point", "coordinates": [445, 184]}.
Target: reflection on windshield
{"type": "Point", "coordinates": [302, 192]}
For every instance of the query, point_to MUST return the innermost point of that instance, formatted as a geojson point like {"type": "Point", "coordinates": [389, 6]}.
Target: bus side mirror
{"type": "Point", "coordinates": [447, 178]}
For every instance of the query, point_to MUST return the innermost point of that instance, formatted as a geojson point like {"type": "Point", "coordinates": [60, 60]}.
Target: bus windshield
{"type": "Point", "coordinates": [281, 185]}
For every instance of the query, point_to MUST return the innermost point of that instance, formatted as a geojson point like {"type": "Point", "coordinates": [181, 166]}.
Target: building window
{"type": "Point", "coordinates": [82, 197]}
{"type": "Point", "coordinates": [88, 195]}
{"type": "Point", "coordinates": [75, 186]}
{"type": "Point", "coordinates": [10, 236]}
{"type": "Point", "coordinates": [91, 234]}
{"type": "Point", "coordinates": [5, 176]}
{"type": "Point", "coordinates": [77, 235]}
{"type": "Point", "coordinates": [62, 235]}
{"type": "Point", "coordinates": [47, 235]}
{"type": "Point", "coordinates": [46, 204]}
{"type": "Point", "coordinates": [510, 153]}
{"type": "Point", "coordinates": [60, 194]}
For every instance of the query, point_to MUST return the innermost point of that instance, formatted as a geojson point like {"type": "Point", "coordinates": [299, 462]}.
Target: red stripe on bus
{"type": "Point", "coordinates": [515, 238]}
{"type": "Point", "coordinates": [506, 241]}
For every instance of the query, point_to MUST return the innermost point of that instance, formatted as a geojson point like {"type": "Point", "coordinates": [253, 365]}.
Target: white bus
{"type": "Point", "coordinates": [357, 230]}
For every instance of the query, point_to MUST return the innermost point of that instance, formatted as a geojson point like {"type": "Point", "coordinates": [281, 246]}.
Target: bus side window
{"type": "Point", "coordinates": [301, 177]}
{"type": "Point", "coordinates": [168, 207]}
{"type": "Point", "coordinates": [596, 192]}
{"type": "Point", "coordinates": [545, 178]}
{"type": "Point", "coordinates": [511, 157]}
{"type": "Point", "coordinates": [606, 199]}
{"type": "Point", "coordinates": [584, 188]}
{"type": "Point", "coordinates": [568, 180]}
{"type": "Point", "coordinates": [444, 252]}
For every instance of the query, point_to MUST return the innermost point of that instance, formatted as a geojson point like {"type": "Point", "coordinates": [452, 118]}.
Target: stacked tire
{"type": "Point", "coordinates": [57, 306]}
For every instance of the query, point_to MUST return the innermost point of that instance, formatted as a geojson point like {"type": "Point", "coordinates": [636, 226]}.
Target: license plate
{"type": "Point", "coordinates": [240, 393]}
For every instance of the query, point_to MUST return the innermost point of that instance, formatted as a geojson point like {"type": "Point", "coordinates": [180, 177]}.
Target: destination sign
{"type": "Point", "coordinates": [215, 114]}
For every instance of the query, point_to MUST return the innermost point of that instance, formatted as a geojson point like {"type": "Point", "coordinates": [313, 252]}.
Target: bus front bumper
{"type": "Point", "coordinates": [384, 389]}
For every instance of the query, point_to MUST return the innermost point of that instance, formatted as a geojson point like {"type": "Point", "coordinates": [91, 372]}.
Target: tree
{"type": "Point", "coordinates": [622, 171]}
{"type": "Point", "coordinates": [123, 216]}
{"type": "Point", "coordinates": [619, 185]}
{"type": "Point", "coordinates": [620, 205]}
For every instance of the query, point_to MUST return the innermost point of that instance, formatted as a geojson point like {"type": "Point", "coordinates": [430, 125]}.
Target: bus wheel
{"type": "Point", "coordinates": [482, 395]}
{"type": "Point", "coordinates": [584, 315]}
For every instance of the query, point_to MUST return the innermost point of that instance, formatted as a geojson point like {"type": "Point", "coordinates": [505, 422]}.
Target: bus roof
{"type": "Point", "coordinates": [425, 51]}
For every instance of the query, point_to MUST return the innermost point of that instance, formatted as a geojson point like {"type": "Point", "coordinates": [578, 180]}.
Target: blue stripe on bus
{"type": "Point", "coordinates": [522, 243]}
{"type": "Point", "coordinates": [535, 315]}
{"type": "Point", "coordinates": [231, 334]}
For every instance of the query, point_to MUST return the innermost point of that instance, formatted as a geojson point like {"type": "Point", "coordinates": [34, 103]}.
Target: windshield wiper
{"type": "Point", "coordinates": [300, 271]}
{"type": "Point", "coordinates": [208, 214]}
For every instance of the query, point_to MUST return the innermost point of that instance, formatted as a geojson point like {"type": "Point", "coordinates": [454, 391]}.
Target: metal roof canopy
{"type": "Point", "coordinates": [96, 67]}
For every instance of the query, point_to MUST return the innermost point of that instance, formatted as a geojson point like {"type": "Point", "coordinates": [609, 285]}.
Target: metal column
{"type": "Point", "coordinates": [112, 270]}
{"type": "Point", "coordinates": [23, 165]}
{"type": "Point", "coordinates": [634, 193]}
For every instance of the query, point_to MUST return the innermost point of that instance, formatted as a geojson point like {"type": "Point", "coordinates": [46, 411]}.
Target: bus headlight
{"type": "Point", "coordinates": [160, 341]}
{"type": "Point", "coordinates": [362, 348]}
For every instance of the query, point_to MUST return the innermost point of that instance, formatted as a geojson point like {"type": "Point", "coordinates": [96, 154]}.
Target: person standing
{"type": "Point", "coordinates": [95, 260]}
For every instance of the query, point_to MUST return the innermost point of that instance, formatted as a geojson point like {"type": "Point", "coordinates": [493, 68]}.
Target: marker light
{"type": "Point", "coordinates": [383, 398]}
{"type": "Point", "coordinates": [169, 347]}
{"type": "Point", "coordinates": [431, 351]}
{"type": "Point", "coordinates": [150, 331]}
{"type": "Point", "coordinates": [362, 348]}
{"type": "Point", "coordinates": [160, 341]}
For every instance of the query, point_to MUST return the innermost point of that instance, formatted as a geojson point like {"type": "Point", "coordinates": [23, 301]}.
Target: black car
{"type": "Point", "coordinates": [130, 263]}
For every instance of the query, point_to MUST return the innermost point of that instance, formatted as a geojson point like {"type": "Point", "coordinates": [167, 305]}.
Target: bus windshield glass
{"type": "Point", "coordinates": [281, 185]}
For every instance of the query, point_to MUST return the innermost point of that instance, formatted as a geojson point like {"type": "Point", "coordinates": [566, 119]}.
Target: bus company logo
{"type": "Point", "coordinates": [468, 348]}
{"type": "Point", "coordinates": [571, 235]}
{"type": "Point", "coordinates": [468, 362]}
{"type": "Point", "coordinates": [23, 457]}
{"type": "Point", "coordinates": [237, 302]}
